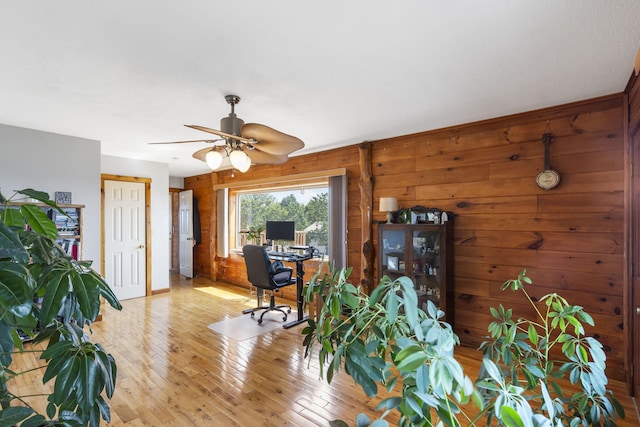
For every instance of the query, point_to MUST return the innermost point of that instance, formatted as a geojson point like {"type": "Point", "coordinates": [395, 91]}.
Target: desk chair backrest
{"type": "Point", "coordinates": [259, 269]}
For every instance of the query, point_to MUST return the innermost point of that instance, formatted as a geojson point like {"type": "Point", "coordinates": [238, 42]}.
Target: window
{"type": "Point", "coordinates": [307, 206]}
{"type": "Point", "coordinates": [235, 224]}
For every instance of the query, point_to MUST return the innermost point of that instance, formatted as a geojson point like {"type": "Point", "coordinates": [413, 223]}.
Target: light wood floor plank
{"type": "Point", "coordinates": [174, 371]}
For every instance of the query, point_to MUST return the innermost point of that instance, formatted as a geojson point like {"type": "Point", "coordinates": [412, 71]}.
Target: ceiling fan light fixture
{"type": "Point", "coordinates": [213, 159]}
{"type": "Point", "coordinates": [266, 146]}
{"type": "Point", "coordinates": [240, 160]}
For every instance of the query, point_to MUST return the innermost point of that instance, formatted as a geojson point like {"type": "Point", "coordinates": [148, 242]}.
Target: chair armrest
{"type": "Point", "coordinates": [283, 274]}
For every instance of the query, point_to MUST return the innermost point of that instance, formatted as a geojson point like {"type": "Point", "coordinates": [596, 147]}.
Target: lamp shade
{"type": "Point", "coordinates": [213, 159]}
{"type": "Point", "coordinates": [388, 204]}
{"type": "Point", "coordinates": [240, 160]}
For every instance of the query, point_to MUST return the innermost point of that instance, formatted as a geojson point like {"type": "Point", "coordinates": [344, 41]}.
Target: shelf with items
{"type": "Point", "coordinates": [69, 225]}
{"type": "Point", "coordinates": [422, 252]}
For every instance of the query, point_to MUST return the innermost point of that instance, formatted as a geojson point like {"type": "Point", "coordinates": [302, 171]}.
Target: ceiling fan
{"type": "Point", "coordinates": [240, 145]}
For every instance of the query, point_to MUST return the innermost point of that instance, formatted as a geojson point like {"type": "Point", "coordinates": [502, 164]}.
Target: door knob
{"type": "Point", "coordinates": [637, 310]}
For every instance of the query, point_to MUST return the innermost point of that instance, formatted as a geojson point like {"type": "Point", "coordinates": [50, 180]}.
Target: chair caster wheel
{"type": "Point", "coordinates": [288, 311]}
{"type": "Point", "coordinates": [259, 321]}
{"type": "Point", "coordinates": [253, 315]}
{"type": "Point", "coordinates": [284, 319]}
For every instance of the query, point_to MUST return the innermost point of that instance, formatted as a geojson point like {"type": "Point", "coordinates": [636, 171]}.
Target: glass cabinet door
{"type": "Point", "coordinates": [393, 252]}
{"type": "Point", "coordinates": [422, 252]}
{"type": "Point", "coordinates": [426, 265]}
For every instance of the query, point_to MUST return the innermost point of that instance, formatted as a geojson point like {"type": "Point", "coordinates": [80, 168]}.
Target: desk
{"type": "Point", "coordinates": [299, 260]}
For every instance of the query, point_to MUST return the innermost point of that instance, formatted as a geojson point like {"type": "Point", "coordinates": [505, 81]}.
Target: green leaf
{"type": "Point", "coordinates": [11, 246]}
{"type": "Point", "coordinates": [492, 369]}
{"type": "Point", "coordinates": [327, 345]}
{"type": "Point", "coordinates": [13, 218]}
{"type": "Point", "coordinates": [510, 417]}
{"type": "Point", "coordinates": [6, 343]}
{"type": "Point", "coordinates": [57, 288]}
{"type": "Point", "coordinates": [335, 306]}
{"type": "Point", "coordinates": [40, 196]}
{"type": "Point", "coordinates": [87, 293]}
{"type": "Point", "coordinates": [108, 367]}
{"type": "Point", "coordinates": [38, 221]}
{"type": "Point", "coordinates": [360, 376]}
{"type": "Point", "coordinates": [410, 300]}
{"type": "Point", "coordinates": [412, 361]}
{"type": "Point", "coordinates": [35, 421]}
{"type": "Point", "coordinates": [392, 307]}
{"type": "Point", "coordinates": [65, 382]}
{"type": "Point", "coordinates": [14, 415]}
{"type": "Point", "coordinates": [105, 290]}
{"type": "Point", "coordinates": [16, 285]}
{"type": "Point", "coordinates": [349, 300]}
{"type": "Point", "coordinates": [105, 412]}
{"type": "Point", "coordinates": [376, 295]}
{"type": "Point", "coordinates": [88, 383]}
{"type": "Point", "coordinates": [57, 355]}
{"type": "Point", "coordinates": [533, 334]}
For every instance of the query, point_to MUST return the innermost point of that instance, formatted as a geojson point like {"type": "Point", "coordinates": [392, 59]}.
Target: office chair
{"type": "Point", "coordinates": [262, 274]}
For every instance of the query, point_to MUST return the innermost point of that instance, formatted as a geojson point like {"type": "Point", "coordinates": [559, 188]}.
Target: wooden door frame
{"type": "Point", "coordinates": [147, 231]}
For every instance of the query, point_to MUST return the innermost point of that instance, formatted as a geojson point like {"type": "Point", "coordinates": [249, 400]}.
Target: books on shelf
{"type": "Point", "coordinates": [66, 224]}
{"type": "Point", "coordinates": [70, 246]}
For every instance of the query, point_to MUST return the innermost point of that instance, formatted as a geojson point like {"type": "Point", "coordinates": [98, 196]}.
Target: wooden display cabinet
{"type": "Point", "coordinates": [422, 252]}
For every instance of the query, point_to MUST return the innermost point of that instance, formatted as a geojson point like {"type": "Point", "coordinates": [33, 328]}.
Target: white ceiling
{"type": "Point", "coordinates": [332, 73]}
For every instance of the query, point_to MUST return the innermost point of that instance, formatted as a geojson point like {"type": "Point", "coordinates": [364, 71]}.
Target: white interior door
{"type": "Point", "coordinates": [125, 237]}
{"type": "Point", "coordinates": [185, 226]}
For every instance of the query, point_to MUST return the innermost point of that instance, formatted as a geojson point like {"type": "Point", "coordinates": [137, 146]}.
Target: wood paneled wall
{"type": "Point", "coordinates": [570, 239]}
{"type": "Point", "coordinates": [232, 269]}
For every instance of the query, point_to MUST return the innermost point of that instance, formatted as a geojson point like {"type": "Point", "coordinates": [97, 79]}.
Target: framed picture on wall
{"type": "Point", "coordinates": [63, 197]}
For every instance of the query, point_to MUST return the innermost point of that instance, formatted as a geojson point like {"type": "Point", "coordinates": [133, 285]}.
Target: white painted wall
{"type": "Point", "coordinates": [160, 215]}
{"type": "Point", "coordinates": [51, 162]}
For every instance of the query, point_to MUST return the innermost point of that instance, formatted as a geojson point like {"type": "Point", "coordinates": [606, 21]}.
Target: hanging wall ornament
{"type": "Point", "coordinates": [548, 178]}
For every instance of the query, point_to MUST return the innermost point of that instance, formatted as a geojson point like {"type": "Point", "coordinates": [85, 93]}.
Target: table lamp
{"type": "Point", "coordinates": [388, 205]}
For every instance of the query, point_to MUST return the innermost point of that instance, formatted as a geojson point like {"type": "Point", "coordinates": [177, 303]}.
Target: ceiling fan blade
{"type": "Point", "coordinates": [261, 158]}
{"type": "Point", "coordinates": [183, 142]}
{"type": "Point", "coordinates": [270, 140]}
{"type": "Point", "coordinates": [247, 140]}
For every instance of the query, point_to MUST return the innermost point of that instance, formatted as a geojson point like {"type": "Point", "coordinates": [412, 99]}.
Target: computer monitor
{"type": "Point", "coordinates": [281, 230]}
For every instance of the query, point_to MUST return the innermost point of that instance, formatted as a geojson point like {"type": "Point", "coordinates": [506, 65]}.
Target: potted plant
{"type": "Point", "coordinates": [385, 340]}
{"type": "Point", "coordinates": [49, 297]}
{"type": "Point", "coordinates": [254, 233]}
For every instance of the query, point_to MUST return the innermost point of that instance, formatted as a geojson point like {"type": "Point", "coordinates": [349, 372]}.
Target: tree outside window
{"type": "Point", "coordinates": [308, 207]}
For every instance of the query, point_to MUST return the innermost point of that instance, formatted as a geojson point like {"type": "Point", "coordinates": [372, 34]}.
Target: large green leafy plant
{"type": "Point", "coordinates": [384, 340]}
{"type": "Point", "coordinates": [51, 298]}
{"type": "Point", "coordinates": [526, 361]}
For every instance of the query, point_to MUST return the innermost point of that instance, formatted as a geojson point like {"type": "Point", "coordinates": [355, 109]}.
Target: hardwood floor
{"type": "Point", "coordinates": [174, 371]}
